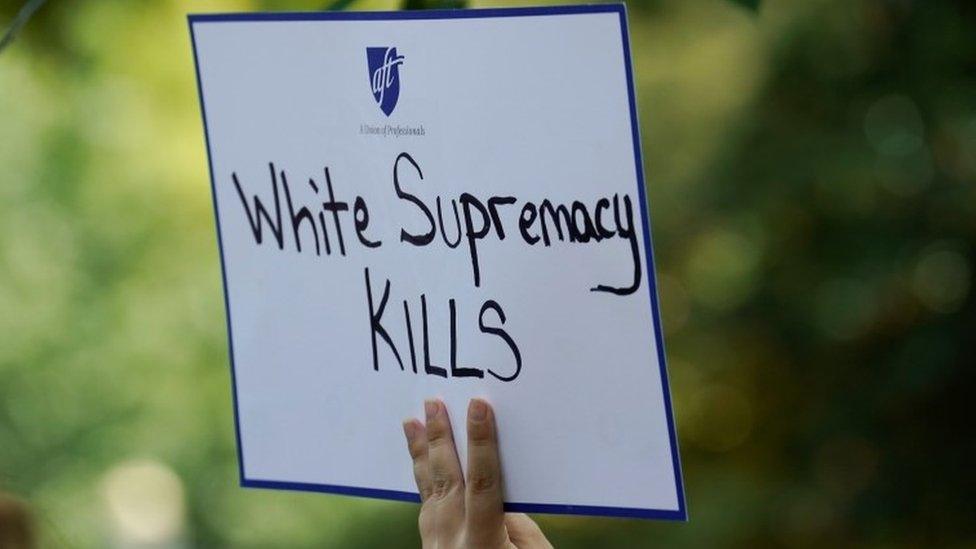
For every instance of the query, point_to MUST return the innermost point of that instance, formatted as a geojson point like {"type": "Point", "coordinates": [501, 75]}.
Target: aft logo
{"type": "Point", "coordinates": [384, 76]}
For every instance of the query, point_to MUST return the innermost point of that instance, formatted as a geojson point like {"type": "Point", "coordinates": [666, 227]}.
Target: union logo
{"type": "Point", "coordinates": [384, 76]}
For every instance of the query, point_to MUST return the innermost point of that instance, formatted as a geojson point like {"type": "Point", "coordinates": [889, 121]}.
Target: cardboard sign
{"type": "Point", "coordinates": [441, 203]}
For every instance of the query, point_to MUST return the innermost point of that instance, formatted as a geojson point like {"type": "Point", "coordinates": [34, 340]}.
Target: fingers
{"type": "Point", "coordinates": [456, 511]}
{"type": "Point", "coordinates": [524, 532]}
{"type": "Point", "coordinates": [483, 493]}
{"type": "Point", "coordinates": [447, 484]}
{"type": "Point", "coordinates": [416, 435]}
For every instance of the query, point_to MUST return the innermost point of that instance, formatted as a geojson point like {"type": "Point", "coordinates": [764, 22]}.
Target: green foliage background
{"type": "Point", "coordinates": [811, 170]}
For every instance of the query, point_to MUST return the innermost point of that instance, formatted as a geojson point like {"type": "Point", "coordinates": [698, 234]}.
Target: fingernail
{"type": "Point", "coordinates": [409, 429]}
{"type": "Point", "coordinates": [431, 408]}
{"type": "Point", "coordinates": [477, 410]}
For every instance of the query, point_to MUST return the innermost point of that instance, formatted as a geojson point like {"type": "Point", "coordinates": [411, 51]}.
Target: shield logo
{"type": "Point", "coordinates": [384, 76]}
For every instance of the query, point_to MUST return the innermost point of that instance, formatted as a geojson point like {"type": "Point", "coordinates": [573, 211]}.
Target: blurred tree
{"type": "Point", "coordinates": [812, 183]}
{"type": "Point", "coordinates": [751, 4]}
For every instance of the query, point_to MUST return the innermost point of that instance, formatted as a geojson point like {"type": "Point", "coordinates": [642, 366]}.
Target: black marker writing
{"type": "Point", "coordinates": [391, 336]}
{"type": "Point", "coordinates": [316, 217]}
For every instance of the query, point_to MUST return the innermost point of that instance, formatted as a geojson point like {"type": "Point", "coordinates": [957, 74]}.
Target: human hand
{"type": "Point", "coordinates": [457, 512]}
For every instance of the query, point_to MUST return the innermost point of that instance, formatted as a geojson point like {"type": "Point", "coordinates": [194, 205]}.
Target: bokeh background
{"type": "Point", "coordinates": [812, 183]}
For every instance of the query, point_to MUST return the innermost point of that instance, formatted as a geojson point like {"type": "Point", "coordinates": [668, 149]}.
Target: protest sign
{"type": "Point", "coordinates": [449, 204]}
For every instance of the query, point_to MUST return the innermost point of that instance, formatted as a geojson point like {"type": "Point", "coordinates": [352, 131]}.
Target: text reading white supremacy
{"type": "Point", "coordinates": [317, 227]}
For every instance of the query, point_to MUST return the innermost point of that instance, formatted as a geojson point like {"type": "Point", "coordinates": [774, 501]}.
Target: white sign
{"type": "Point", "coordinates": [438, 204]}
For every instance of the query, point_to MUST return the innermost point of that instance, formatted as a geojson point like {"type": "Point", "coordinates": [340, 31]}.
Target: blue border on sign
{"type": "Point", "coordinates": [681, 513]}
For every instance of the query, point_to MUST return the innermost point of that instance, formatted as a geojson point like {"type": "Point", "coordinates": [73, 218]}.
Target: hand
{"type": "Point", "coordinates": [456, 513]}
